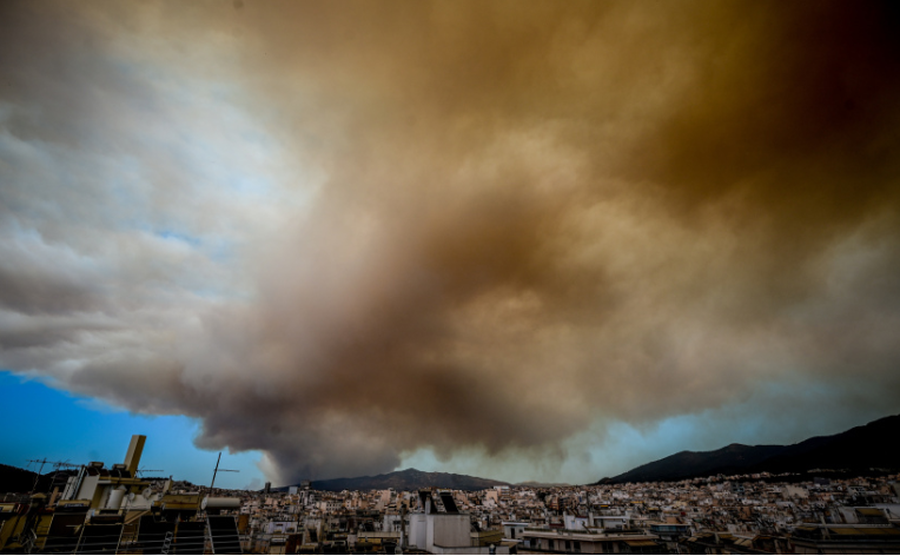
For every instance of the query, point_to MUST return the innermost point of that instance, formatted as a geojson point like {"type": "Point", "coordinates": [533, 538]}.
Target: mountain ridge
{"type": "Point", "coordinates": [857, 449]}
{"type": "Point", "coordinates": [407, 479]}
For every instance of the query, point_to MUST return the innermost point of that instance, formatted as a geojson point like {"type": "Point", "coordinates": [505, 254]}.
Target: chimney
{"type": "Point", "coordinates": [133, 457]}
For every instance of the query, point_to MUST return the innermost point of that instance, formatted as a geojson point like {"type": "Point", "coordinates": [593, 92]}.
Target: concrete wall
{"type": "Point", "coordinates": [88, 488]}
{"type": "Point", "coordinates": [417, 530]}
{"type": "Point", "coordinates": [426, 531]}
{"type": "Point", "coordinates": [451, 530]}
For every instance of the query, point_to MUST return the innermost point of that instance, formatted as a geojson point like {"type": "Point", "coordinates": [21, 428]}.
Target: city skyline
{"type": "Point", "coordinates": [527, 242]}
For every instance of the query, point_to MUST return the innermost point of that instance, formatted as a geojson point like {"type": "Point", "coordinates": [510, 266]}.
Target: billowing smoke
{"type": "Point", "coordinates": [344, 233]}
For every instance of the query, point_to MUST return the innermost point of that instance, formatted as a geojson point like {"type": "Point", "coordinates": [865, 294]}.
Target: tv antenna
{"type": "Point", "coordinates": [139, 471]}
{"type": "Point", "coordinates": [56, 465]}
{"type": "Point", "coordinates": [216, 472]}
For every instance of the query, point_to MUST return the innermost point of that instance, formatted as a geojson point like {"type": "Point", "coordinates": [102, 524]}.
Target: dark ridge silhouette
{"type": "Point", "coordinates": [860, 449]}
{"type": "Point", "coordinates": [19, 481]}
{"type": "Point", "coordinates": [408, 479]}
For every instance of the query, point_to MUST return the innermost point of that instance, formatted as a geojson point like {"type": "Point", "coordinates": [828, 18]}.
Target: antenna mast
{"type": "Point", "coordinates": [43, 462]}
{"type": "Point", "coordinates": [216, 472]}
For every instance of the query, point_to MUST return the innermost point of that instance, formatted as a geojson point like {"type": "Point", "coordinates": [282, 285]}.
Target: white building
{"type": "Point", "coordinates": [444, 532]}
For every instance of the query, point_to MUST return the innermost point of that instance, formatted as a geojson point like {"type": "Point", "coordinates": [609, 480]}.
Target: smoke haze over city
{"type": "Point", "coordinates": [515, 240]}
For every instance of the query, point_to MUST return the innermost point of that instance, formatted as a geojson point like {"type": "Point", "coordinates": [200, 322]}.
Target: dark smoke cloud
{"type": "Point", "coordinates": [485, 228]}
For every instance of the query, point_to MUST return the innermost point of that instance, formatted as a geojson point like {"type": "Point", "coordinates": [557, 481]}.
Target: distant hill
{"type": "Point", "coordinates": [858, 449]}
{"type": "Point", "coordinates": [408, 479]}
{"type": "Point", "coordinates": [17, 480]}
{"type": "Point", "coordinates": [538, 484]}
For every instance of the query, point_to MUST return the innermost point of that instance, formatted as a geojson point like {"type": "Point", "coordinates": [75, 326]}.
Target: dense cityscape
{"type": "Point", "coordinates": [96, 509]}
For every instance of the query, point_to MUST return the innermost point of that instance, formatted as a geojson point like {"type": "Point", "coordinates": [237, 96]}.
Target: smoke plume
{"type": "Point", "coordinates": [342, 234]}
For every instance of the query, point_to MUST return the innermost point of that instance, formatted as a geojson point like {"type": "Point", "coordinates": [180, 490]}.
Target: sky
{"type": "Point", "coordinates": [53, 426]}
{"type": "Point", "coordinates": [525, 241]}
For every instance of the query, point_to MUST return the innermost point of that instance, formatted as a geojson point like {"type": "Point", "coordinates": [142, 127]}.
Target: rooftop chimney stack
{"type": "Point", "coordinates": [133, 457]}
